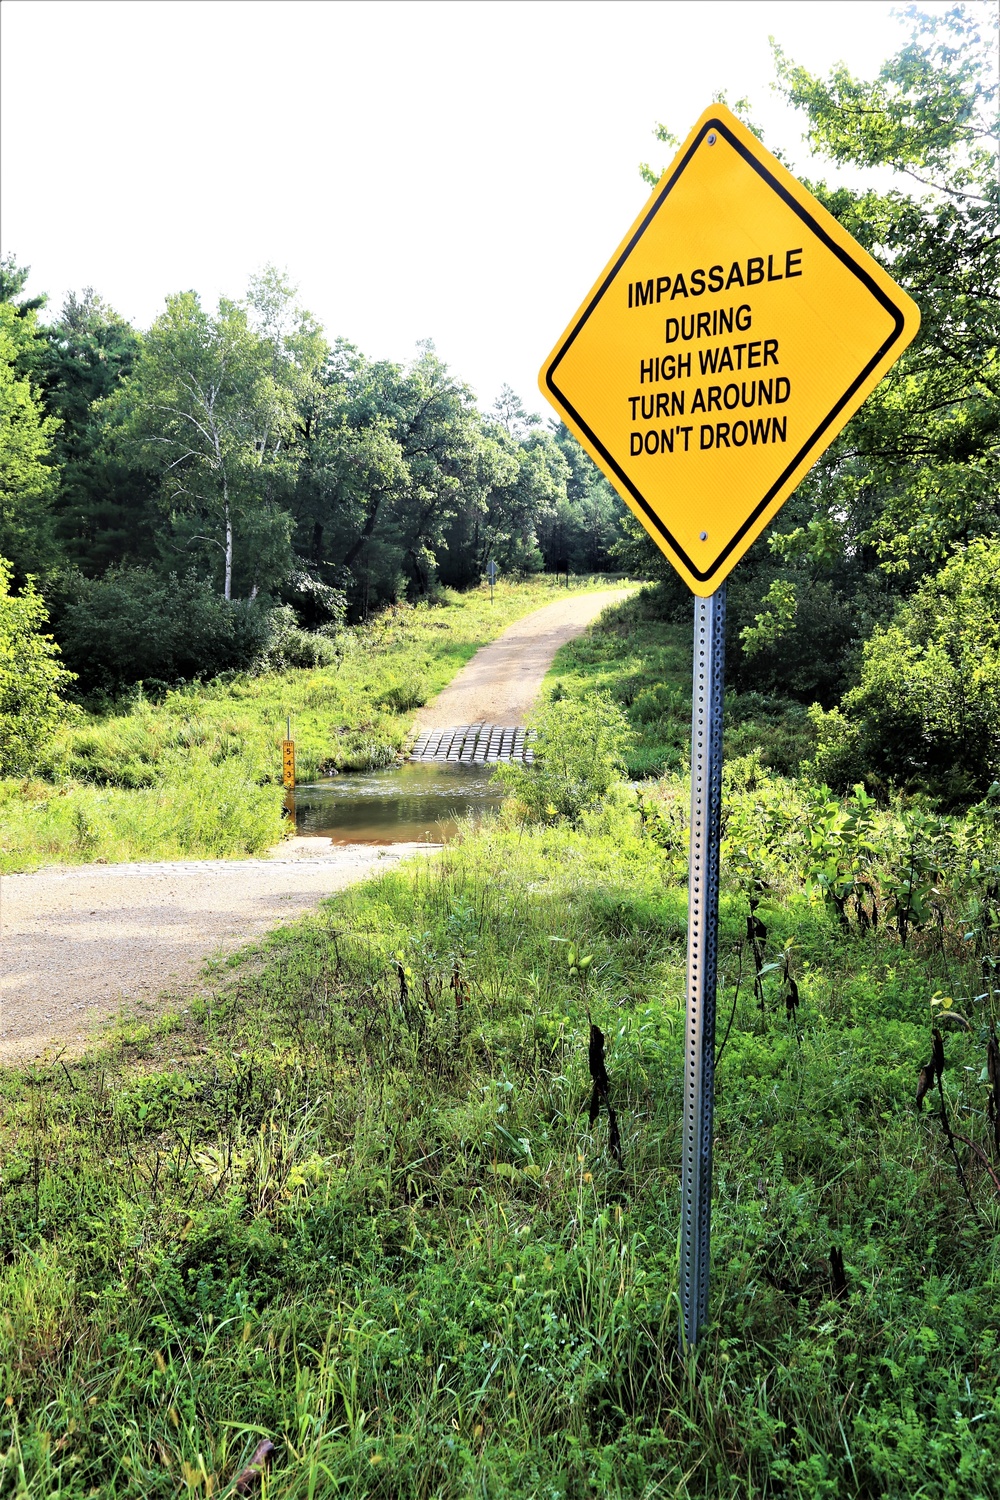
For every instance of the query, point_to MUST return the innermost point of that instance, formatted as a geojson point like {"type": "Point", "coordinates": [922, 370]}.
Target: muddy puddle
{"type": "Point", "coordinates": [412, 803]}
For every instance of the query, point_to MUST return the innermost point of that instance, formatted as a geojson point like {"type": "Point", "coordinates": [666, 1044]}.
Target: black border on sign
{"type": "Point", "coordinates": [863, 276]}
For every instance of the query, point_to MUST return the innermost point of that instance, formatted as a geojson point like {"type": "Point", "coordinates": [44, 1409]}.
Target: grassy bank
{"type": "Point", "coordinates": [198, 774]}
{"type": "Point", "coordinates": [644, 662]}
{"type": "Point", "coordinates": [355, 1203]}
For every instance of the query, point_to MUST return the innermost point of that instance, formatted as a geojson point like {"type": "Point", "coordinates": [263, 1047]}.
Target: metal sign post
{"type": "Point", "coordinates": [702, 954]}
{"type": "Point", "coordinates": [733, 333]}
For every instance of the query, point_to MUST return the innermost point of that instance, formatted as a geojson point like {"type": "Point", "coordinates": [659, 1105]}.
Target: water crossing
{"type": "Point", "coordinates": [475, 744]}
{"type": "Point", "coordinates": [412, 803]}
{"type": "Point", "coordinates": [446, 777]}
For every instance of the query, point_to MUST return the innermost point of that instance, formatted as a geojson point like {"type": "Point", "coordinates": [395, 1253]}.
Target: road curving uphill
{"type": "Point", "coordinates": [501, 684]}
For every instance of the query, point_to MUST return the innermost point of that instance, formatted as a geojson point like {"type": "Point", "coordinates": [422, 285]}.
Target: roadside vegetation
{"type": "Point", "coordinates": [639, 655]}
{"type": "Point", "coordinates": [195, 772]}
{"type": "Point", "coordinates": [356, 1201]}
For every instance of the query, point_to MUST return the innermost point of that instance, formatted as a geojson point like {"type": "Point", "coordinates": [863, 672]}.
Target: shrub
{"type": "Point", "coordinates": [31, 679]}
{"type": "Point", "coordinates": [580, 753]}
{"type": "Point", "coordinates": [288, 645]}
{"type": "Point", "coordinates": [361, 752]}
{"type": "Point", "coordinates": [213, 812]}
{"type": "Point", "coordinates": [662, 701]}
{"type": "Point", "coordinates": [133, 626]}
{"type": "Point", "coordinates": [810, 660]}
{"type": "Point", "coordinates": [780, 729]}
{"type": "Point", "coordinates": [926, 713]}
{"type": "Point", "coordinates": [401, 697]}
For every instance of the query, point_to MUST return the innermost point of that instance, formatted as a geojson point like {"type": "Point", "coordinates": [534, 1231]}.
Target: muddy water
{"type": "Point", "coordinates": [406, 804]}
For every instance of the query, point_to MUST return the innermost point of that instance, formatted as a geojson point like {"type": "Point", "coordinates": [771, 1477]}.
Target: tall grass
{"type": "Point", "coordinates": [198, 774]}
{"type": "Point", "coordinates": [643, 662]}
{"type": "Point", "coordinates": [212, 812]}
{"type": "Point", "coordinates": [354, 1203]}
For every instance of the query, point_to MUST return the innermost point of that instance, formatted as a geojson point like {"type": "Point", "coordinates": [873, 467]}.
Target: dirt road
{"type": "Point", "coordinates": [78, 943]}
{"type": "Point", "coordinates": [502, 681]}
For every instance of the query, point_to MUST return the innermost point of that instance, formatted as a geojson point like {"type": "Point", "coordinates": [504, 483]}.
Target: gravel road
{"type": "Point", "coordinates": [79, 942]}
{"type": "Point", "coordinates": [502, 681]}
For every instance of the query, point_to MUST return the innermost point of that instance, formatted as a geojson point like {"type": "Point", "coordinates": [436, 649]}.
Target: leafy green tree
{"type": "Point", "coordinates": [204, 411]}
{"type": "Point", "coordinates": [926, 712]}
{"type": "Point", "coordinates": [590, 521]}
{"type": "Point", "coordinates": [918, 468]}
{"type": "Point", "coordinates": [453, 461]}
{"type": "Point", "coordinates": [104, 506]}
{"type": "Point", "coordinates": [524, 482]}
{"type": "Point", "coordinates": [296, 343]}
{"type": "Point", "coordinates": [13, 280]}
{"type": "Point", "coordinates": [580, 752]}
{"type": "Point", "coordinates": [239, 444]}
{"type": "Point", "coordinates": [32, 679]}
{"type": "Point", "coordinates": [351, 469]}
{"type": "Point", "coordinates": [519, 512]}
{"type": "Point", "coordinates": [27, 476]}
{"type": "Point", "coordinates": [393, 462]}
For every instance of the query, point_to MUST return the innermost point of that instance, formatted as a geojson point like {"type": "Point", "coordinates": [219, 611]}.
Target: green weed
{"type": "Point", "coordinates": [643, 661]}
{"type": "Point", "coordinates": [357, 1203]}
{"type": "Point", "coordinates": [198, 774]}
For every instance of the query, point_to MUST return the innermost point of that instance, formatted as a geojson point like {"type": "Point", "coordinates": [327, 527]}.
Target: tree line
{"type": "Point", "coordinates": [242, 454]}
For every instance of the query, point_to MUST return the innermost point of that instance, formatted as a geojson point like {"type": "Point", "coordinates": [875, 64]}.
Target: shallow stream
{"type": "Point", "coordinates": [412, 803]}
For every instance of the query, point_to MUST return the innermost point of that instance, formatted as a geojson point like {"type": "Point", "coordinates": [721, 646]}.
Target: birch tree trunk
{"type": "Point", "coordinates": [228, 590]}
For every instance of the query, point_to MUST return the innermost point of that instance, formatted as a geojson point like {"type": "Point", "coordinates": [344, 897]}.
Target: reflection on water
{"type": "Point", "coordinates": [418, 801]}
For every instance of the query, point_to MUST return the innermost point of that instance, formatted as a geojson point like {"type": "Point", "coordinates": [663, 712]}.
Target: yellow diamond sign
{"type": "Point", "coordinates": [731, 336]}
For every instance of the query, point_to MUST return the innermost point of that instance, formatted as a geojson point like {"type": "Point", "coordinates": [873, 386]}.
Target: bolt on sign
{"type": "Point", "coordinates": [734, 332]}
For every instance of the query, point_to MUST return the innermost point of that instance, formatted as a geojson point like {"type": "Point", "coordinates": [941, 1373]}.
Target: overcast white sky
{"type": "Point", "coordinates": [458, 170]}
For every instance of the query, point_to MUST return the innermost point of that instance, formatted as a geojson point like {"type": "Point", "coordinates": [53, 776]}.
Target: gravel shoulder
{"type": "Point", "coordinates": [81, 943]}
